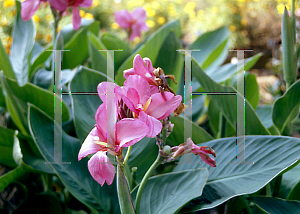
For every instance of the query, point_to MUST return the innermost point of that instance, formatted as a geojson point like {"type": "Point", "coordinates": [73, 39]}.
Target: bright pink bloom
{"type": "Point", "coordinates": [135, 21]}
{"type": "Point", "coordinates": [127, 132]}
{"type": "Point", "coordinates": [142, 67]}
{"type": "Point", "coordinates": [190, 147]}
{"type": "Point", "coordinates": [63, 5]}
{"type": "Point", "coordinates": [29, 7]}
{"type": "Point", "coordinates": [148, 107]}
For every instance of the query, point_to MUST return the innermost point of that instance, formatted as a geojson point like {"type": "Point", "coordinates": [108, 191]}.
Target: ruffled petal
{"type": "Point", "coordinates": [89, 147]}
{"type": "Point", "coordinates": [131, 104]}
{"type": "Point", "coordinates": [28, 8]}
{"type": "Point", "coordinates": [139, 14]}
{"type": "Point", "coordinates": [123, 18]}
{"type": "Point", "coordinates": [76, 18]}
{"type": "Point", "coordinates": [163, 104]}
{"type": "Point", "coordinates": [85, 3]}
{"type": "Point", "coordinates": [60, 5]}
{"type": "Point", "coordinates": [129, 131]}
{"type": "Point", "coordinates": [103, 90]}
{"type": "Point", "coordinates": [101, 168]}
{"type": "Point", "coordinates": [140, 85]}
{"type": "Point", "coordinates": [128, 72]}
{"type": "Point", "coordinates": [153, 124]}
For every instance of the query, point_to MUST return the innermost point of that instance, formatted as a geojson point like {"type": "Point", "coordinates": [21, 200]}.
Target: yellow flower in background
{"type": "Point", "coordinates": [189, 7]}
{"type": "Point", "coordinates": [39, 36]}
{"type": "Point", "coordinates": [8, 3]}
{"type": "Point", "coordinates": [172, 10]}
{"type": "Point", "coordinates": [114, 25]}
{"type": "Point", "coordinates": [155, 5]}
{"type": "Point", "coordinates": [82, 13]}
{"type": "Point", "coordinates": [150, 23]}
{"type": "Point", "coordinates": [244, 21]}
{"type": "Point", "coordinates": [280, 8]}
{"type": "Point", "coordinates": [150, 12]}
{"type": "Point", "coordinates": [161, 20]}
{"type": "Point", "coordinates": [58, 28]}
{"type": "Point", "coordinates": [35, 18]}
{"type": "Point", "coordinates": [136, 40]}
{"type": "Point", "coordinates": [96, 3]}
{"type": "Point", "coordinates": [48, 17]}
{"type": "Point", "coordinates": [89, 16]}
{"type": "Point", "coordinates": [232, 28]}
{"type": "Point", "coordinates": [214, 10]}
{"type": "Point", "coordinates": [48, 38]}
{"type": "Point", "coordinates": [4, 22]}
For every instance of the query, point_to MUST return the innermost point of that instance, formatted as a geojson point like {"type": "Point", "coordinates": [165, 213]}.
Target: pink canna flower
{"type": "Point", "coordinates": [127, 131]}
{"type": "Point", "coordinates": [190, 147]}
{"type": "Point", "coordinates": [135, 22]}
{"type": "Point", "coordinates": [142, 67]}
{"type": "Point", "coordinates": [63, 5]}
{"type": "Point", "coordinates": [29, 7]}
{"type": "Point", "coordinates": [146, 106]}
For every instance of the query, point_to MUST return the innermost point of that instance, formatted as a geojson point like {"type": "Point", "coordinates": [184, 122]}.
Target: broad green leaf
{"type": "Point", "coordinates": [223, 72]}
{"type": "Point", "coordinates": [170, 60]}
{"type": "Point", "coordinates": [150, 48]}
{"type": "Point", "coordinates": [265, 158]}
{"type": "Point", "coordinates": [169, 192]}
{"type": "Point", "coordinates": [112, 42]}
{"type": "Point", "coordinates": [126, 205]}
{"type": "Point", "coordinates": [85, 105]}
{"type": "Point", "coordinates": [199, 135]}
{"type": "Point", "coordinates": [12, 176]}
{"type": "Point", "coordinates": [5, 63]}
{"type": "Point", "coordinates": [213, 47]}
{"type": "Point", "coordinates": [264, 112]}
{"type": "Point", "coordinates": [78, 53]}
{"type": "Point", "coordinates": [286, 108]}
{"type": "Point", "coordinates": [98, 58]}
{"type": "Point", "coordinates": [142, 155]}
{"type": "Point", "coordinates": [75, 176]}
{"type": "Point", "coordinates": [23, 40]}
{"type": "Point", "coordinates": [6, 147]}
{"type": "Point", "coordinates": [39, 61]}
{"type": "Point", "coordinates": [17, 98]}
{"type": "Point", "coordinates": [227, 103]}
{"type": "Point", "coordinates": [290, 180]}
{"type": "Point", "coordinates": [276, 205]}
{"type": "Point", "coordinates": [251, 87]}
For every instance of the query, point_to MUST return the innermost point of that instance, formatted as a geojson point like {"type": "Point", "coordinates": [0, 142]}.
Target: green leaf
{"type": "Point", "coordinates": [227, 180]}
{"type": "Point", "coordinates": [290, 181]}
{"type": "Point", "coordinates": [276, 205]}
{"type": "Point", "coordinates": [12, 176]}
{"type": "Point", "coordinates": [124, 196]}
{"type": "Point", "coordinates": [170, 60]}
{"type": "Point", "coordinates": [251, 87]}
{"type": "Point", "coordinates": [264, 113]}
{"type": "Point", "coordinates": [85, 105]}
{"type": "Point", "coordinates": [6, 147]}
{"type": "Point", "coordinates": [286, 108]}
{"type": "Point", "coordinates": [169, 192]}
{"type": "Point", "coordinates": [98, 58]}
{"type": "Point", "coordinates": [213, 47]}
{"type": "Point", "coordinates": [150, 48]}
{"type": "Point", "coordinates": [23, 40]}
{"type": "Point", "coordinates": [17, 98]}
{"type": "Point", "coordinates": [112, 42]}
{"type": "Point", "coordinates": [142, 155]}
{"type": "Point", "coordinates": [5, 63]}
{"type": "Point", "coordinates": [224, 72]}
{"type": "Point", "coordinates": [39, 61]}
{"type": "Point", "coordinates": [199, 135]}
{"type": "Point", "coordinates": [227, 103]}
{"type": "Point", "coordinates": [75, 176]}
{"type": "Point", "coordinates": [78, 53]}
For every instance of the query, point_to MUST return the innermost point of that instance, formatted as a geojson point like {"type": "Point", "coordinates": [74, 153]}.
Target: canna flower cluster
{"type": "Point", "coordinates": [138, 109]}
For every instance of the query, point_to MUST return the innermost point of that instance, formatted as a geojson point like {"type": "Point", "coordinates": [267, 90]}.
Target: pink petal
{"type": "Point", "coordinates": [76, 18]}
{"type": "Point", "coordinates": [128, 72]}
{"type": "Point", "coordinates": [88, 146]}
{"type": "Point", "coordinates": [129, 131]}
{"type": "Point", "coordinates": [85, 3]}
{"type": "Point", "coordinates": [153, 124]}
{"type": "Point", "coordinates": [28, 8]}
{"type": "Point", "coordinates": [163, 104]}
{"type": "Point", "coordinates": [141, 69]}
{"type": "Point", "coordinates": [149, 65]}
{"type": "Point", "coordinates": [123, 18]}
{"type": "Point", "coordinates": [131, 104]}
{"type": "Point", "coordinates": [140, 85]}
{"type": "Point", "coordinates": [135, 32]}
{"type": "Point", "coordinates": [139, 14]}
{"type": "Point", "coordinates": [153, 89]}
{"type": "Point", "coordinates": [207, 159]}
{"type": "Point", "coordinates": [60, 5]}
{"type": "Point", "coordinates": [101, 168]}
{"type": "Point", "coordinates": [101, 117]}
{"type": "Point", "coordinates": [104, 89]}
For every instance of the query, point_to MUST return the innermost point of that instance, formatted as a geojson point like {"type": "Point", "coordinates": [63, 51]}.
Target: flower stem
{"type": "Point", "coordinates": [144, 181]}
{"type": "Point", "coordinates": [127, 155]}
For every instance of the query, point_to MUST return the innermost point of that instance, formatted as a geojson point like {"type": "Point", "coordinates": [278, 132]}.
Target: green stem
{"type": "Point", "coordinates": [268, 190]}
{"type": "Point", "coordinates": [127, 155]}
{"type": "Point", "coordinates": [222, 126]}
{"type": "Point", "coordinates": [144, 181]}
{"type": "Point", "coordinates": [54, 30]}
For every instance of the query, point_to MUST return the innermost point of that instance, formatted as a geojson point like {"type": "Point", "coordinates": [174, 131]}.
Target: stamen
{"type": "Point", "coordinates": [147, 103]}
